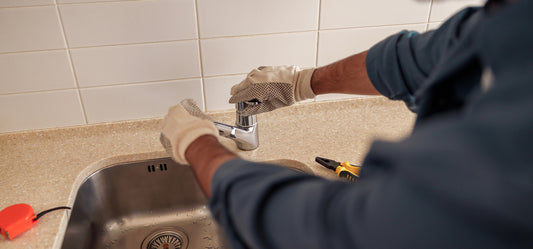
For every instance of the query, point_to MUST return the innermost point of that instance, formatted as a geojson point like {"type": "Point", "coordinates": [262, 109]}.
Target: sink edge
{"type": "Point", "coordinates": [130, 158]}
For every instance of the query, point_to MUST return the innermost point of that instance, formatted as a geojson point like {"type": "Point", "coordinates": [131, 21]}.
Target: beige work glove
{"type": "Point", "coordinates": [183, 124]}
{"type": "Point", "coordinates": [273, 87]}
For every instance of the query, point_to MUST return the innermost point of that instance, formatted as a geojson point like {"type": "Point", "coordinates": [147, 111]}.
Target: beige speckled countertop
{"type": "Point", "coordinates": [45, 168]}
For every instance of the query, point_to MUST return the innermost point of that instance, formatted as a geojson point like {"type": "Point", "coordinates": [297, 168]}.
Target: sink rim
{"type": "Point", "coordinates": [103, 163]}
{"type": "Point", "coordinates": [121, 202]}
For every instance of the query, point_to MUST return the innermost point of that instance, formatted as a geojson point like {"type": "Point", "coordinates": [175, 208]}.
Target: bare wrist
{"type": "Point", "coordinates": [317, 81]}
{"type": "Point", "coordinates": [206, 155]}
{"type": "Point", "coordinates": [346, 76]}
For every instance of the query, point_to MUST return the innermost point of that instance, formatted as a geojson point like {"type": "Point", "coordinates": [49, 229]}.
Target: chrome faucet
{"type": "Point", "coordinates": [244, 133]}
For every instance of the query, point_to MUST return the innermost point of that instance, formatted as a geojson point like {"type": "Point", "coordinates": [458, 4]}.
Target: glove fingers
{"type": "Point", "coordinates": [167, 145]}
{"type": "Point", "coordinates": [174, 111]}
{"type": "Point", "coordinates": [240, 97]}
{"type": "Point", "coordinates": [270, 96]}
{"type": "Point", "coordinates": [234, 99]}
{"type": "Point", "coordinates": [266, 106]}
{"type": "Point", "coordinates": [278, 103]}
{"type": "Point", "coordinates": [248, 94]}
{"type": "Point", "coordinates": [181, 126]}
{"type": "Point", "coordinates": [239, 87]}
{"type": "Point", "coordinates": [255, 109]}
{"type": "Point", "coordinates": [192, 108]}
{"type": "Point", "coordinates": [239, 92]}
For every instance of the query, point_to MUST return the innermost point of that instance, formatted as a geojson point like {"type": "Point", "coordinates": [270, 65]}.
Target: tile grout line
{"type": "Point", "coordinates": [371, 26]}
{"type": "Point", "coordinates": [28, 6]}
{"type": "Point", "coordinates": [209, 38]}
{"type": "Point", "coordinates": [123, 84]}
{"type": "Point", "coordinates": [429, 14]}
{"type": "Point", "coordinates": [94, 87]}
{"type": "Point", "coordinates": [37, 91]}
{"type": "Point", "coordinates": [104, 2]}
{"type": "Point", "coordinates": [74, 3]}
{"type": "Point", "coordinates": [318, 36]}
{"type": "Point", "coordinates": [318, 32]}
{"type": "Point", "coordinates": [69, 55]}
{"type": "Point", "coordinates": [200, 59]}
{"type": "Point", "coordinates": [33, 51]}
{"type": "Point", "coordinates": [313, 30]}
{"type": "Point", "coordinates": [140, 83]}
{"type": "Point", "coordinates": [134, 44]}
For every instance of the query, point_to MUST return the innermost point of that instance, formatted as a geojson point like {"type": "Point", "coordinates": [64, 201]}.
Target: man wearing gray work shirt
{"type": "Point", "coordinates": [463, 179]}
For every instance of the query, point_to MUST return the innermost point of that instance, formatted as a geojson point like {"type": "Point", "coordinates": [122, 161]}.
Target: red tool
{"type": "Point", "coordinates": [19, 218]}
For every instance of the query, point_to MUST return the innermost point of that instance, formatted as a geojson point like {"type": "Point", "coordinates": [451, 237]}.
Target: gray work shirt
{"type": "Point", "coordinates": [463, 179]}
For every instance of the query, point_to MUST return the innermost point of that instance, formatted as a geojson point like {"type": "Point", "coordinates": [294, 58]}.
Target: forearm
{"type": "Point", "coordinates": [348, 76]}
{"type": "Point", "coordinates": [205, 156]}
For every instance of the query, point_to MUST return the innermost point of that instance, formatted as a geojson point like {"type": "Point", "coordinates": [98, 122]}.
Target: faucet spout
{"type": "Point", "coordinates": [244, 133]}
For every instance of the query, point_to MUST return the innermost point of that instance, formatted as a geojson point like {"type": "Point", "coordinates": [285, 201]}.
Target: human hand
{"type": "Point", "coordinates": [183, 124]}
{"type": "Point", "coordinates": [273, 87]}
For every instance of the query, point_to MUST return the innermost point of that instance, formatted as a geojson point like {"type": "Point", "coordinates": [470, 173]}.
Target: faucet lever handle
{"type": "Point", "coordinates": [240, 106]}
{"type": "Point", "coordinates": [245, 121]}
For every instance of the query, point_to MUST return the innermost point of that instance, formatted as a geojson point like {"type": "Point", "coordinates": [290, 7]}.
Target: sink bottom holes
{"type": "Point", "coordinates": [166, 238]}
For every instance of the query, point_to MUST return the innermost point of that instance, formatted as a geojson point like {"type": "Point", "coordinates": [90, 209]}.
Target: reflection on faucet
{"type": "Point", "coordinates": [244, 133]}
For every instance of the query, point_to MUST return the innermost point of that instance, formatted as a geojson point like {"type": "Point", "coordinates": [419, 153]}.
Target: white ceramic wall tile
{"type": "Point", "coordinates": [217, 91]}
{"type": "Point", "coordinates": [19, 3]}
{"type": "Point", "coordinates": [136, 63]}
{"type": "Point", "coordinates": [434, 25]}
{"type": "Point", "coordinates": [237, 17]}
{"type": "Point", "coordinates": [338, 44]}
{"type": "Point", "coordinates": [35, 71]}
{"type": "Point", "coordinates": [103, 104]}
{"type": "Point", "coordinates": [441, 10]}
{"type": "Point", "coordinates": [128, 22]}
{"type": "Point", "coordinates": [30, 28]}
{"type": "Point", "coordinates": [241, 54]}
{"type": "Point", "coordinates": [40, 110]}
{"type": "Point", "coordinates": [360, 13]}
{"type": "Point", "coordinates": [275, 32]}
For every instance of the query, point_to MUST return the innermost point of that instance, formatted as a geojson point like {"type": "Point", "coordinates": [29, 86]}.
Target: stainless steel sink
{"type": "Point", "coordinates": [150, 204]}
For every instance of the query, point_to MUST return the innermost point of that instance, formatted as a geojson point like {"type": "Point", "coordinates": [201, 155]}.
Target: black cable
{"type": "Point", "coordinates": [48, 211]}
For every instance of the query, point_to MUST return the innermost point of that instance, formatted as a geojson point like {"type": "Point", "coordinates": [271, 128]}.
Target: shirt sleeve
{"type": "Point", "coordinates": [268, 206]}
{"type": "Point", "coordinates": [400, 64]}
{"type": "Point", "coordinates": [460, 182]}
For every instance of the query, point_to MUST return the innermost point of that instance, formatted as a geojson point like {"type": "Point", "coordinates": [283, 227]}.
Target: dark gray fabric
{"type": "Point", "coordinates": [463, 179]}
{"type": "Point", "coordinates": [402, 64]}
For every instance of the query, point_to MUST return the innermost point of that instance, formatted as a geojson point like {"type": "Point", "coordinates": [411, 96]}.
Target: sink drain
{"type": "Point", "coordinates": [166, 239]}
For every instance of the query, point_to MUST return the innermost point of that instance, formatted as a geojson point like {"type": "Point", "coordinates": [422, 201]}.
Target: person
{"type": "Point", "coordinates": [462, 179]}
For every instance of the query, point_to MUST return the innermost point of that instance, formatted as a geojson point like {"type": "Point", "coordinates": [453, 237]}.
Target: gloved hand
{"type": "Point", "coordinates": [183, 124]}
{"type": "Point", "coordinates": [272, 88]}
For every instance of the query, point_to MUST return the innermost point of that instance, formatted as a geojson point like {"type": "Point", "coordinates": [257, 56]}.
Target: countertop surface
{"type": "Point", "coordinates": [45, 168]}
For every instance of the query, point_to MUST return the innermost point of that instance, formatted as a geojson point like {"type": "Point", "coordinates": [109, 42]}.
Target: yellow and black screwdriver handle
{"type": "Point", "coordinates": [343, 170]}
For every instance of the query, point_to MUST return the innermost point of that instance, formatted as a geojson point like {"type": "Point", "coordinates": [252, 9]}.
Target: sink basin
{"type": "Point", "coordinates": [150, 204]}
